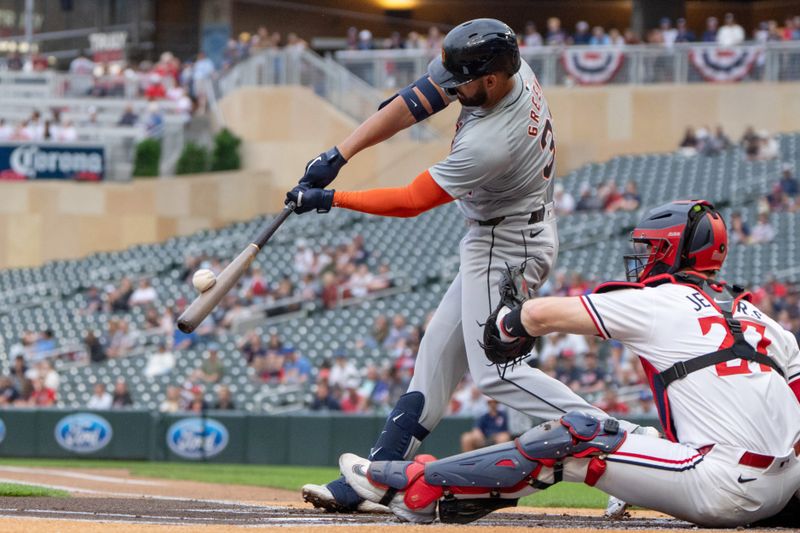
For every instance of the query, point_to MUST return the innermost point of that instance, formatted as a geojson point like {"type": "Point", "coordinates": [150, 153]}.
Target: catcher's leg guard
{"type": "Point", "coordinates": [506, 465]}
{"type": "Point", "coordinates": [477, 483]}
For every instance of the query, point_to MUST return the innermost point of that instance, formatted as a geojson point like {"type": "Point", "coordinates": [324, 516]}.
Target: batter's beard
{"type": "Point", "coordinates": [476, 100]}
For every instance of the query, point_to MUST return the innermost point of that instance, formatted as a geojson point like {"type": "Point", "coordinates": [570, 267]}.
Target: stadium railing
{"type": "Point", "coordinates": [591, 65]}
{"type": "Point", "coordinates": [327, 78]}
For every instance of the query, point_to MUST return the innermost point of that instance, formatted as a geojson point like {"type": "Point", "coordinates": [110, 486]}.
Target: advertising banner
{"type": "Point", "coordinates": [27, 161]}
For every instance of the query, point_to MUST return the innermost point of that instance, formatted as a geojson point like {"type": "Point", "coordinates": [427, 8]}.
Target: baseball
{"type": "Point", "coordinates": [203, 280]}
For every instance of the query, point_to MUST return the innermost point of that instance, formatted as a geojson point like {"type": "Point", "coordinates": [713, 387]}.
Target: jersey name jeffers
{"type": "Point", "coordinates": [536, 106]}
{"type": "Point", "coordinates": [699, 302]}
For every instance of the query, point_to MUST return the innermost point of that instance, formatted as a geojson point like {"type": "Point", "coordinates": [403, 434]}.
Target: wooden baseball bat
{"type": "Point", "coordinates": [206, 301]}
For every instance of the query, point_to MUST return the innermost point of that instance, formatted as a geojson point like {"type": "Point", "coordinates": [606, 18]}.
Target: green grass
{"type": "Point", "coordinates": [576, 495]}
{"type": "Point", "coordinates": [292, 478]}
{"type": "Point", "coordinates": [277, 476]}
{"type": "Point", "coordinates": [25, 491]}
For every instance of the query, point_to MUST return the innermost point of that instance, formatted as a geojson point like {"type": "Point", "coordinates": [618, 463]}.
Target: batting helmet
{"type": "Point", "coordinates": [474, 49]}
{"type": "Point", "coordinates": [687, 234]}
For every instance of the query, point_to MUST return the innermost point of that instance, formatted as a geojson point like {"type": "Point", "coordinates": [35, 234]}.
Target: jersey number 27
{"type": "Point", "coordinates": [726, 369]}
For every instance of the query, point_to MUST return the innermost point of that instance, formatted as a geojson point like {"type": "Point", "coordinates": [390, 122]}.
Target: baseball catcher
{"type": "Point", "coordinates": [725, 377]}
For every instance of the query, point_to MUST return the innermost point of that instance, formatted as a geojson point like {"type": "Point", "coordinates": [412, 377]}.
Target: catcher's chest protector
{"type": "Point", "coordinates": [725, 299]}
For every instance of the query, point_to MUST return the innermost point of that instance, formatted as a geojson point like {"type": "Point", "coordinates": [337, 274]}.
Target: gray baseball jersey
{"type": "Point", "coordinates": [502, 160]}
{"type": "Point", "coordinates": [501, 165]}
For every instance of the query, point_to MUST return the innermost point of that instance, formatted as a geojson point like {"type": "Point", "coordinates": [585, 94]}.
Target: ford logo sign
{"type": "Point", "coordinates": [2, 430]}
{"type": "Point", "coordinates": [83, 433]}
{"type": "Point", "coordinates": [197, 438]}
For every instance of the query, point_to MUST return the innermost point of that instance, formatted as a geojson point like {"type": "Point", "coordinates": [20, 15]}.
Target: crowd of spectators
{"type": "Point", "coordinates": [756, 145]}
{"type": "Point", "coordinates": [341, 385]}
{"type": "Point", "coordinates": [327, 277]}
{"type": "Point", "coordinates": [602, 371]}
{"type": "Point", "coordinates": [29, 384]}
{"type": "Point", "coordinates": [782, 198]}
{"type": "Point", "coordinates": [606, 197]}
{"type": "Point", "coordinates": [667, 33]}
{"type": "Point", "coordinates": [339, 272]}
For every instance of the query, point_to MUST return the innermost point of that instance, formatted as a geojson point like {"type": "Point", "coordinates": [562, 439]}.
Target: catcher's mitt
{"type": "Point", "coordinates": [513, 292]}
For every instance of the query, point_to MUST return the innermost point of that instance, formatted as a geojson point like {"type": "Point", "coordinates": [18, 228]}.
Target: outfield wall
{"type": "Point", "coordinates": [217, 436]}
{"type": "Point", "coordinates": [46, 220]}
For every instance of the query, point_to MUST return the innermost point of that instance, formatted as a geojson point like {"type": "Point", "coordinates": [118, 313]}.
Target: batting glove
{"type": "Point", "coordinates": [309, 199]}
{"type": "Point", "coordinates": [323, 169]}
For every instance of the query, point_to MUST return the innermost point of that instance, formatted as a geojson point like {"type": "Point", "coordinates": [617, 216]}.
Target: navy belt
{"type": "Point", "coordinates": [536, 216]}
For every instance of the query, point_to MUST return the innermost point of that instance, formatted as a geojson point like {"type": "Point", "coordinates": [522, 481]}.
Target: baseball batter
{"type": "Point", "coordinates": [725, 376]}
{"type": "Point", "coordinates": [500, 171]}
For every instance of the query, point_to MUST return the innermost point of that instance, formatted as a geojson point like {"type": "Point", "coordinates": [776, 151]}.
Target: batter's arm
{"type": "Point", "coordinates": [419, 196]}
{"type": "Point", "coordinates": [382, 125]}
{"type": "Point", "coordinates": [394, 117]}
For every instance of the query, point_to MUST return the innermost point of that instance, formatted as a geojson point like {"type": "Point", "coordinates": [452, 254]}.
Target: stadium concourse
{"type": "Point", "coordinates": [331, 317]}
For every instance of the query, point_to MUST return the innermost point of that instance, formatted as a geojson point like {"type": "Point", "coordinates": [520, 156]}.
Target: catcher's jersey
{"type": "Point", "coordinates": [738, 403]}
{"type": "Point", "coordinates": [502, 160]}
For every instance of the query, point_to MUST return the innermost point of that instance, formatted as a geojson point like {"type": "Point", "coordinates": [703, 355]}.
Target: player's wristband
{"type": "Point", "coordinates": [335, 158]}
{"type": "Point", "coordinates": [511, 324]}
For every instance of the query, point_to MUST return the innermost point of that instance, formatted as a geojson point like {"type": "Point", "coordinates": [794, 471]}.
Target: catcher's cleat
{"type": "Point", "coordinates": [616, 509]}
{"type": "Point", "coordinates": [354, 469]}
{"type": "Point", "coordinates": [321, 498]}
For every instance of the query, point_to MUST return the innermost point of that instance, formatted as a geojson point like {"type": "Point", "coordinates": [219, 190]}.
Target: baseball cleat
{"type": "Point", "coordinates": [616, 509]}
{"type": "Point", "coordinates": [354, 469]}
{"type": "Point", "coordinates": [321, 498]}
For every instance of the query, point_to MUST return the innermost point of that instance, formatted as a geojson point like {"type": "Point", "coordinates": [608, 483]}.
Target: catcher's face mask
{"type": "Point", "coordinates": [644, 256]}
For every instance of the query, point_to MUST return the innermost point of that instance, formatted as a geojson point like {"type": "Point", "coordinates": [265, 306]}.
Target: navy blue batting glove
{"type": "Point", "coordinates": [309, 199]}
{"type": "Point", "coordinates": [293, 195]}
{"type": "Point", "coordinates": [323, 169]}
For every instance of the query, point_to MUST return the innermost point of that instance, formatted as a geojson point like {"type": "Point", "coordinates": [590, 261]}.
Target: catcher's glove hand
{"type": "Point", "coordinates": [513, 292]}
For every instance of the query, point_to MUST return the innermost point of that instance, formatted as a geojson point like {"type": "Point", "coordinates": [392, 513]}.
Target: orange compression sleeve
{"type": "Point", "coordinates": [419, 196]}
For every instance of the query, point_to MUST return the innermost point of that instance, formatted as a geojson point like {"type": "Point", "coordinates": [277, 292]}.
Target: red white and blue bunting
{"type": "Point", "coordinates": [592, 67]}
{"type": "Point", "coordinates": [725, 64]}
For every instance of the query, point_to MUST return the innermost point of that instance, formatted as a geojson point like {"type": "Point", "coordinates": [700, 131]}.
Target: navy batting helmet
{"type": "Point", "coordinates": [474, 49]}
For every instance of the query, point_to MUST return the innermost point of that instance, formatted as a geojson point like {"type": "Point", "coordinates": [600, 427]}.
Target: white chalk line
{"type": "Point", "coordinates": [172, 522]}
{"type": "Point", "coordinates": [79, 475]}
{"type": "Point", "coordinates": [177, 521]}
{"type": "Point", "coordinates": [135, 494]}
{"type": "Point", "coordinates": [123, 518]}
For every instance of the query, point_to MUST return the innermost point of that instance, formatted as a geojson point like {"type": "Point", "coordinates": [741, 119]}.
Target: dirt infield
{"type": "Point", "coordinates": [103, 497]}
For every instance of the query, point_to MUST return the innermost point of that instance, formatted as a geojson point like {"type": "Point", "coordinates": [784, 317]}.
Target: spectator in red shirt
{"type": "Point", "coordinates": [612, 197]}
{"type": "Point", "coordinates": [155, 89]}
{"type": "Point", "coordinates": [330, 290]}
{"type": "Point", "coordinates": [351, 401]}
{"type": "Point", "coordinates": [41, 396]}
{"type": "Point", "coordinates": [612, 405]}
{"type": "Point", "coordinates": [258, 283]}
{"type": "Point", "coordinates": [777, 289]}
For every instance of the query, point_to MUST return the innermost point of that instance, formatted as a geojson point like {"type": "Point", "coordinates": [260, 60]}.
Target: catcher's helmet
{"type": "Point", "coordinates": [686, 234]}
{"type": "Point", "coordinates": [474, 49]}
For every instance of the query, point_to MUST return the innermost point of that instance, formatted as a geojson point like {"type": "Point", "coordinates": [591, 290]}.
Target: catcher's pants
{"type": "Point", "coordinates": [710, 490]}
{"type": "Point", "coordinates": [450, 344]}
